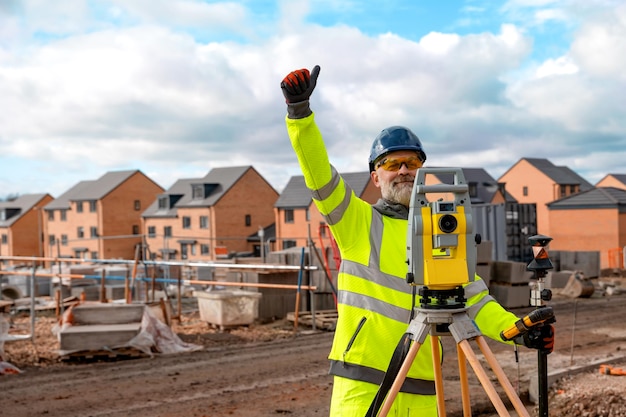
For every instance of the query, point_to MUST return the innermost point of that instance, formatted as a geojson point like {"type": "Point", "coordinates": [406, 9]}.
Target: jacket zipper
{"type": "Point", "coordinates": [353, 338]}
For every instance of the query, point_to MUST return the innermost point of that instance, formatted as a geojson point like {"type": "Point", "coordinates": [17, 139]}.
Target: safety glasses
{"type": "Point", "coordinates": [394, 164]}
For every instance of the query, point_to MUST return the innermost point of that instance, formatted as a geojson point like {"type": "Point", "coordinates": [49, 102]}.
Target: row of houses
{"type": "Point", "coordinates": [234, 211]}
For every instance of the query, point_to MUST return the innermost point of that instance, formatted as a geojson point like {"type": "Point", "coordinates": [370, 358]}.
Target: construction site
{"type": "Point", "coordinates": [247, 338]}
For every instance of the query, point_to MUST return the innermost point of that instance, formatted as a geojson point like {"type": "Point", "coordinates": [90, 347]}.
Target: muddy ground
{"type": "Point", "coordinates": [270, 370]}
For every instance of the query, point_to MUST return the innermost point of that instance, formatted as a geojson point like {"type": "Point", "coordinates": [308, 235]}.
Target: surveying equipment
{"type": "Point", "coordinates": [539, 294]}
{"type": "Point", "coordinates": [441, 251]}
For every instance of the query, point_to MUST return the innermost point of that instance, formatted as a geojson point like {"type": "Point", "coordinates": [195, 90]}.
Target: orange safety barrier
{"type": "Point", "coordinates": [616, 258]}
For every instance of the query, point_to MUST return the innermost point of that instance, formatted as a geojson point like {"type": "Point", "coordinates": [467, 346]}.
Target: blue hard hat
{"type": "Point", "coordinates": [395, 138]}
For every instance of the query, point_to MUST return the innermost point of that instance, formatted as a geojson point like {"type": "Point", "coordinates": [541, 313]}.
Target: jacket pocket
{"type": "Point", "coordinates": [354, 336]}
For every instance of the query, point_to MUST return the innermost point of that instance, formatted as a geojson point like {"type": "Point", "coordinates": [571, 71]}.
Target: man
{"type": "Point", "coordinates": [374, 301]}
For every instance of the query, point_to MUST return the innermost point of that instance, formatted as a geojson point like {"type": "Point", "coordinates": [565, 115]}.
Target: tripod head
{"type": "Point", "coordinates": [441, 250]}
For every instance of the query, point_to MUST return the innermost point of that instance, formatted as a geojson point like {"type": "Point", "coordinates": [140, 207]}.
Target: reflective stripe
{"type": "Point", "coordinates": [473, 310]}
{"type": "Point", "coordinates": [325, 192]}
{"type": "Point", "coordinates": [376, 239]}
{"type": "Point", "coordinates": [374, 376]}
{"type": "Point", "coordinates": [378, 277]}
{"type": "Point", "coordinates": [337, 213]}
{"type": "Point", "coordinates": [475, 288]}
{"type": "Point", "coordinates": [374, 305]}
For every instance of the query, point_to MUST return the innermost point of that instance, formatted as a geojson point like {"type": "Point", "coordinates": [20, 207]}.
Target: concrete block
{"type": "Point", "coordinates": [558, 279]}
{"type": "Point", "coordinates": [511, 272]}
{"type": "Point", "coordinates": [484, 252]}
{"type": "Point", "coordinates": [588, 262]}
{"type": "Point", "coordinates": [484, 271]}
{"type": "Point", "coordinates": [96, 337]}
{"type": "Point", "coordinates": [510, 296]}
{"type": "Point", "coordinates": [88, 314]}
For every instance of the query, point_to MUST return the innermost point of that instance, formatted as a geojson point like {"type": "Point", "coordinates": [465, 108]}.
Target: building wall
{"type": "Point", "coordinates": [611, 181]}
{"type": "Point", "coordinates": [540, 191]}
{"type": "Point", "coordinates": [587, 230]}
{"type": "Point", "coordinates": [250, 195]}
{"type": "Point", "coordinates": [120, 220]}
{"type": "Point", "coordinates": [156, 244]}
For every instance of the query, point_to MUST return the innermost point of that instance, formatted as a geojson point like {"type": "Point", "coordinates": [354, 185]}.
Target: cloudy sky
{"type": "Point", "coordinates": [175, 88]}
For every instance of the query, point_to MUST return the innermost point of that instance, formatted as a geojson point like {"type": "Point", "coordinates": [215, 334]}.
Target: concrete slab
{"type": "Point", "coordinates": [99, 336]}
{"type": "Point", "coordinates": [86, 314]}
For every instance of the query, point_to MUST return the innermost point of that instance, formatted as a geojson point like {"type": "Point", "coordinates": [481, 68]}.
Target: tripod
{"type": "Point", "coordinates": [453, 318]}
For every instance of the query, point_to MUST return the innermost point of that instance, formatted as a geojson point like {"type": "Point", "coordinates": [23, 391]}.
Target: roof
{"type": "Point", "coordinates": [486, 185]}
{"type": "Point", "coordinates": [20, 206]}
{"type": "Point", "coordinates": [91, 190]}
{"type": "Point", "coordinates": [217, 182]}
{"type": "Point", "coordinates": [297, 195]}
{"type": "Point", "coordinates": [598, 197]}
{"type": "Point", "coordinates": [561, 175]}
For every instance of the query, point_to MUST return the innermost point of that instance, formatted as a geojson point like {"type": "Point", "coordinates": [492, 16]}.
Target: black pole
{"type": "Point", "coordinates": [542, 367]}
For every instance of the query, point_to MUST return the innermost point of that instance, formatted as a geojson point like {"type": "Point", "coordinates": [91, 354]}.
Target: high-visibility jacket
{"type": "Point", "coordinates": [374, 301]}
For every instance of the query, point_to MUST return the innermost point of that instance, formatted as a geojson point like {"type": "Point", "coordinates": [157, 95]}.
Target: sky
{"type": "Point", "coordinates": [175, 88]}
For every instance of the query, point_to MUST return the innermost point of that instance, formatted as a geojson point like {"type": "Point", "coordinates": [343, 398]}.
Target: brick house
{"type": "Point", "coordinates": [537, 180]}
{"type": "Point", "coordinates": [613, 180]}
{"type": "Point", "coordinates": [297, 215]}
{"type": "Point", "coordinates": [210, 217]}
{"type": "Point", "coordinates": [593, 220]}
{"type": "Point", "coordinates": [99, 219]}
{"type": "Point", "coordinates": [21, 226]}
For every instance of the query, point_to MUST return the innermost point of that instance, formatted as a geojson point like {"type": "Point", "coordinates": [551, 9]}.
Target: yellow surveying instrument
{"type": "Point", "coordinates": [441, 257]}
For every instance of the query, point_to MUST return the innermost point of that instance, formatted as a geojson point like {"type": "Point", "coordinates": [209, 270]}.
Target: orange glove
{"type": "Point", "coordinates": [298, 85]}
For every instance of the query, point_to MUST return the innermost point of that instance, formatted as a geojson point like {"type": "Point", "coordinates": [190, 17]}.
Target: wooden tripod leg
{"type": "Point", "coordinates": [467, 409]}
{"type": "Point", "coordinates": [483, 378]}
{"type": "Point", "coordinates": [504, 381]}
{"type": "Point", "coordinates": [441, 403]}
{"type": "Point", "coordinates": [397, 383]}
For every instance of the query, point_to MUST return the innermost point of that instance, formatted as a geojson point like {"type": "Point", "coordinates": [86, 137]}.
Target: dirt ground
{"type": "Point", "coordinates": [271, 369]}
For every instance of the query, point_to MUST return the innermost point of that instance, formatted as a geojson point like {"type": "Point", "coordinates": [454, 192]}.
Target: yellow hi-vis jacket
{"type": "Point", "coordinates": [374, 301]}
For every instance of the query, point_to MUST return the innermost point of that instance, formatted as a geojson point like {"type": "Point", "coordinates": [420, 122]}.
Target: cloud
{"type": "Point", "coordinates": [151, 88]}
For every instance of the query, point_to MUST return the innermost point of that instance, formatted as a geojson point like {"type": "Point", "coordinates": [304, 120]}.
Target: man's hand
{"type": "Point", "coordinates": [539, 337]}
{"type": "Point", "coordinates": [298, 85]}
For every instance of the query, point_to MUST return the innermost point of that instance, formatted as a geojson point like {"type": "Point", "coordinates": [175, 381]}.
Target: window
{"type": "Point", "coordinates": [64, 240]}
{"type": "Point", "coordinates": [93, 231]}
{"type": "Point", "coordinates": [183, 250]}
{"type": "Point", "coordinates": [93, 206]}
{"type": "Point", "coordinates": [289, 216]}
{"type": "Point", "coordinates": [167, 231]}
{"type": "Point", "coordinates": [573, 189]}
{"type": "Point", "coordinates": [525, 191]}
{"type": "Point", "coordinates": [197, 191]}
{"type": "Point", "coordinates": [50, 215]}
{"type": "Point", "coordinates": [5, 239]}
{"type": "Point", "coordinates": [204, 222]}
{"type": "Point", "coordinates": [472, 189]}
{"type": "Point", "coordinates": [63, 215]}
{"type": "Point", "coordinates": [307, 215]}
{"type": "Point", "coordinates": [51, 240]}
{"type": "Point", "coordinates": [151, 231]}
{"type": "Point", "coordinates": [289, 244]}
{"type": "Point", "coordinates": [163, 203]}
{"type": "Point", "coordinates": [94, 255]}
{"type": "Point", "coordinates": [135, 229]}
{"type": "Point", "coordinates": [248, 220]}
{"type": "Point", "coordinates": [79, 207]}
{"type": "Point", "coordinates": [80, 233]}
{"type": "Point", "coordinates": [193, 250]}
{"type": "Point", "coordinates": [186, 222]}
{"type": "Point", "coordinates": [204, 249]}
{"type": "Point", "coordinates": [137, 205]}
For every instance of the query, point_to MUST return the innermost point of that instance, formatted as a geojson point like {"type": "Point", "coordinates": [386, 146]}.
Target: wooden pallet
{"type": "Point", "coordinates": [324, 319]}
{"type": "Point", "coordinates": [126, 352]}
